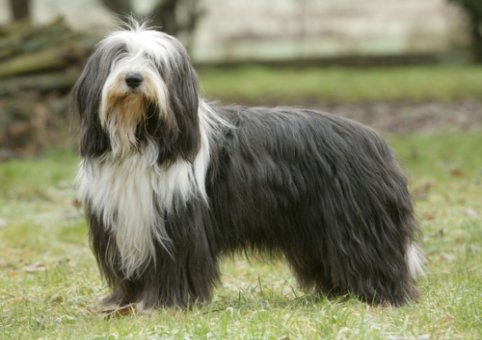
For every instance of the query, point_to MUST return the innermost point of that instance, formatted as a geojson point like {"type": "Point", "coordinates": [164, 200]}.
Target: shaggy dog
{"type": "Point", "coordinates": [170, 183]}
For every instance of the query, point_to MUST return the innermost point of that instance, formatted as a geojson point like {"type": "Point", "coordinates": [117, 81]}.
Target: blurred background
{"type": "Point", "coordinates": [410, 68]}
{"type": "Point", "coordinates": [373, 60]}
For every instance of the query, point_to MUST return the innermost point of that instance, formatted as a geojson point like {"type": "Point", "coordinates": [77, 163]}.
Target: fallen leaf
{"type": "Point", "coordinates": [457, 173]}
{"type": "Point", "coordinates": [429, 215]}
{"type": "Point", "coordinates": [121, 311]}
{"type": "Point", "coordinates": [35, 267]}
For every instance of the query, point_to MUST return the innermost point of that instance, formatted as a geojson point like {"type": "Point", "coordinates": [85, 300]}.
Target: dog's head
{"type": "Point", "coordinates": [138, 87]}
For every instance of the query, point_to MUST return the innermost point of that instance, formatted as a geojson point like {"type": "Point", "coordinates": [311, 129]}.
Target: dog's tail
{"type": "Point", "coordinates": [415, 260]}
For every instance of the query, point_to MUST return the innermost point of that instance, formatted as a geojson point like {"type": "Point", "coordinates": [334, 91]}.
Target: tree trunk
{"type": "Point", "coordinates": [164, 15]}
{"type": "Point", "coordinates": [477, 37]}
{"type": "Point", "coordinates": [121, 7]}
{"type": "Point", "coordinates": [20, 9]}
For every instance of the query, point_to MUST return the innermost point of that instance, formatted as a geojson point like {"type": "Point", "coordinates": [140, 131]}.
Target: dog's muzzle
{"type": "Point", "coordinates": [134, 80]}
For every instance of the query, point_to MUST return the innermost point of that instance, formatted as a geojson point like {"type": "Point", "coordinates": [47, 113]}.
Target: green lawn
{"type": "Point", "coordinates": [291, 85]}
{"type": "Point", "coordinates": [49, 283]}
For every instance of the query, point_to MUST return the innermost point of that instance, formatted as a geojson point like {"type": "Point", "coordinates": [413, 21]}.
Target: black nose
{"type": "Point", "coordinates": [134, 79]}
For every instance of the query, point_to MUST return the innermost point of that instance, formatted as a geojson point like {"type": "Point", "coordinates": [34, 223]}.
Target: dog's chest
{"type": "Point", "coordinates": [131, 197]}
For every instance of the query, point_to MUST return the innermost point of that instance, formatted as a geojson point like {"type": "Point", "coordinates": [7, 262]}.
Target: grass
{"type": "Point", "coordinates": [249, 84]}
{"type": "Point", "coordinates": [49, 282]}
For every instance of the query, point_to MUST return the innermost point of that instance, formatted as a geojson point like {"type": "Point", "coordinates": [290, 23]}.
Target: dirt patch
{"type": "Point", "coordinates": [49, 125]}
{"type": "Point", "coordinates": [404, 117]}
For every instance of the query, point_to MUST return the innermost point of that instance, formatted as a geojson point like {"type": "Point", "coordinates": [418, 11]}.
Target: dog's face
{"type": "Point", "coordinates": [138, 87]}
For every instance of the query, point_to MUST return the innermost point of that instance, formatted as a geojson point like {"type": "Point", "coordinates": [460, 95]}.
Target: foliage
{"type": "Point", "coordinates": [473, 8]}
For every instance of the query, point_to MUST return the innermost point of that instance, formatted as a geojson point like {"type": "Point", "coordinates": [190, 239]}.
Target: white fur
{"type": "Point", "coordinates": [142, 42]}
{"type": "Point", "coordinates": [153, 86]}
{"type": "Point", "coordinates": [146, 50]}
{"type": "Point", "coordinates": [415, 260]}
{"type": "Point", "coordinates": [130, 195]}
{"type": "Point", "coordinates": [126, 188]}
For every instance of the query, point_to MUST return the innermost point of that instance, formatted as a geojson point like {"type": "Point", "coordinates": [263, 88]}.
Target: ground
{"type": "Point", "coordinates": [407, 118]}
{"type": "Point", "coordinates": [49, 282]}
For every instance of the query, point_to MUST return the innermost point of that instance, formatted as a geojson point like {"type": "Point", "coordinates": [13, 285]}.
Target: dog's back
{"type": "Point", "coordinates": [325, 191]}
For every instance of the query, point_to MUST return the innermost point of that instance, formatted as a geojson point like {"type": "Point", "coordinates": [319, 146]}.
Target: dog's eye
{"type": "Point", "coordinates": [155, 62]}
{"type": "Point", "coordinates": [150, 58]}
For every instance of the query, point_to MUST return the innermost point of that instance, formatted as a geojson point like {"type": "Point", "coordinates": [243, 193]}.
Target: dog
{"type": "Point", "coordinates": [170, 183]}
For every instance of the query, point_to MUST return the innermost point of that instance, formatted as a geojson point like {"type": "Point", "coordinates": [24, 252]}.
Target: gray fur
{"type": "Point", "coordinates": [325, 192]}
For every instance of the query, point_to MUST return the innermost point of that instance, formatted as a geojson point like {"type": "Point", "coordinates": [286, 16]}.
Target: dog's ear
{"type": "Point", "coordinates": [184, 102]}
{"type": "Point", "coordinates": [86, 99]}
